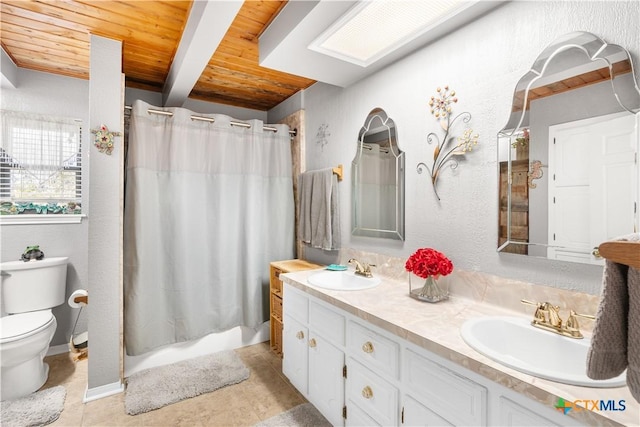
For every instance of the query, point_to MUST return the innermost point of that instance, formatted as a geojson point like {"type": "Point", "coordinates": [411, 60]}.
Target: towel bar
{"type": "Point", "coordinates": [622, 252]}
{"type": "Point", "coordinates": [338, 171]}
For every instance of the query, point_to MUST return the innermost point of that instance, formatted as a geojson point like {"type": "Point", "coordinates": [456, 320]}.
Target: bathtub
{"type": "Point", "coordinates": [234, 338]}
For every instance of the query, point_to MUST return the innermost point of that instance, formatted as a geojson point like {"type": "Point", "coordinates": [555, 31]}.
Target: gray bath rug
{"type": "Point", "coordinates": [156, 387]}
{"type": "Point", "coordinates": [305, 415]}
{"type": "Point", "coordinates": [37, 409]}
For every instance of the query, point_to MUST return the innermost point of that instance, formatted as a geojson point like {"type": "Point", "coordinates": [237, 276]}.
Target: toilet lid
{"type": "Point", "coordinates": [22, 325]}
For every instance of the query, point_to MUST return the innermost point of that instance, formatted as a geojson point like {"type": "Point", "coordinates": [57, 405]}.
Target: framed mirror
{"type": "Point", "coordinates": [567, 156]}
{"type": "Point", "coordinates": [378, 180]}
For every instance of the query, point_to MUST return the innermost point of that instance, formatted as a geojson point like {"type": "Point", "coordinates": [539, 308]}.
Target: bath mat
{"type": "Point", "coordinates": [305, 415]}
{"type": "Point", "coordinates": [156, 387]}
{"type": "Point", "coordinates": [37, 409]}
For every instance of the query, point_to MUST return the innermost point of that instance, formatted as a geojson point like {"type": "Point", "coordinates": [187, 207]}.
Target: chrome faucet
{"type": "Point", "coordinates": [362, 268]}
{"type": "Point", "coordinates": [547, 317]}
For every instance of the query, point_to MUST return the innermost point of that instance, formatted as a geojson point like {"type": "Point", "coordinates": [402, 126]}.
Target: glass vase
{"type": "Point", "coordinates": [427, 289]}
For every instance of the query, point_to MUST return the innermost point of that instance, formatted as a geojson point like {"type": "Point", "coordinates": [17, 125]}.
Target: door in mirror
{"type": "Point", "coordinates": [568, 172]}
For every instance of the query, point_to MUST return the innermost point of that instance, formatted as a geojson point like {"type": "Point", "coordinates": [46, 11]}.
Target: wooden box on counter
{"type": "Point", "coordinates": [275, 296]}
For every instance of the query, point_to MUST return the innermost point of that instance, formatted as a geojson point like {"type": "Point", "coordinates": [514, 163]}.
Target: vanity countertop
{"type": "Point", "coordinates": [436, 328]}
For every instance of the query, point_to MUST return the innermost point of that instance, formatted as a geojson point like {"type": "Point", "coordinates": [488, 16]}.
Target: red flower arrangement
{"type": "Point", "coordinates": [427, 262]}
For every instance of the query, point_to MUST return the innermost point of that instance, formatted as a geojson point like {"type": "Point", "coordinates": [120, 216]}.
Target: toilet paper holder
{"type": "Point", "coordinates": [79, 298]}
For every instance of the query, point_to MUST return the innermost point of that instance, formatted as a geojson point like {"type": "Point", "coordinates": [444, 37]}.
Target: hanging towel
{"type": "Point", "coordinates": [319, 224]}
{"type": "Point", "coordinates": [615, 344]}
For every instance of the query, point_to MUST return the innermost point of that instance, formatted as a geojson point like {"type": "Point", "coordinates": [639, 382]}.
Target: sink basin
{"type": "Point", "coordinates": [513, 342]}
{"type": "Point", "coordinates": [342, 281]}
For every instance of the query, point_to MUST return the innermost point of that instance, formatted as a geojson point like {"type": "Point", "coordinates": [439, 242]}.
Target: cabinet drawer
{"type": "Point", "coordinates": [296, 304]}
{"type": "Point", "coordinates": [276, 306]}
{"type": "Point", "coordinates": [326, 322]}
{"type": "Point", "coordinates": [276, 336]}
{"type": "Point", "coordinates": [373, 350]}
{"type": "Point", "coordinates": [372, 394]}
{"type": "Point", "coordinates": [276, 283]}
{"type": "Point", "coordinates": [457, 399]}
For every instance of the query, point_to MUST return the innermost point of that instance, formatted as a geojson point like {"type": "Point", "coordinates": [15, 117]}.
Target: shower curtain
{"type": "Point", "coordinates": [207, 207]}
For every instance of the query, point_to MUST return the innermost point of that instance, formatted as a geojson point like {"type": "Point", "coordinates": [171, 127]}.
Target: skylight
{"type": "Point", "coordinates": [372, 29]}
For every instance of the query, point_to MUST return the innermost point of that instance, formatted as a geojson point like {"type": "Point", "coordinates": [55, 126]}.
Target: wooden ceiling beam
{"type": "Point", "coordinates": [206, 26]}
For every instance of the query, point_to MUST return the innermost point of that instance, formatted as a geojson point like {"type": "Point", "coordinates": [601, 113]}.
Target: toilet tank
{"type": "Point", "coordinates": [33, 285]}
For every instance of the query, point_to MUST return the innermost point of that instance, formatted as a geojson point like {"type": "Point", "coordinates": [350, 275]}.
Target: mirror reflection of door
{"type": "Point", "coordinates": [592, 186]}
{"type": "Point", "coordinates": [585, 84]}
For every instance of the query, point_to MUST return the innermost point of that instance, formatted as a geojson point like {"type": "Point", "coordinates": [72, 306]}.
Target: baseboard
{"type": "Point", "coordinates": [58, 349]}
{"type": "Point", "coordinates": [103, 391]}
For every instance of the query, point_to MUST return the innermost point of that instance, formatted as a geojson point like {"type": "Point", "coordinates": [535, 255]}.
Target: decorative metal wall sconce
{"type": "Point", "coordinates": [445, 149]}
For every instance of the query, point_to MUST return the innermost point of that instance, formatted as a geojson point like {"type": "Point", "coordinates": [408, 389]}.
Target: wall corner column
{"type": "Point", "coordinates": [106, 103]}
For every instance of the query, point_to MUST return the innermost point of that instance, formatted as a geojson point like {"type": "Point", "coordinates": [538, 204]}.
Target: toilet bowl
{"type": "Point", "coordinates": [24, 341]}
{"type": "Point", "coordinates": [29, 291]}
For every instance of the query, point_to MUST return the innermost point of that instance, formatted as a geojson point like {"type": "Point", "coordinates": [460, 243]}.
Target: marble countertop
{"type": "Point", "coordinates": [436, 328]}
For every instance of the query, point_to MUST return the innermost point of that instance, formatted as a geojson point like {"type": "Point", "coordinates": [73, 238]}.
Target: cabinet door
{"type": "Point", "coordinates": [450, 395]}
{"type": "Point", "coordinates": [356, 417]}
{"type": "Point", "coordinates": [295, 359]}
{"type": "Point", "coordinates": [414, 414]}
{"type": "Point", "coordinates": [513, 414]}
{"type": "Point", "coordinates": [326, 383]}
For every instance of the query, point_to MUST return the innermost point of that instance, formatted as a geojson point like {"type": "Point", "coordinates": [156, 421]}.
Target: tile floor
{"type": "Point", "coordinates": [266, 393]}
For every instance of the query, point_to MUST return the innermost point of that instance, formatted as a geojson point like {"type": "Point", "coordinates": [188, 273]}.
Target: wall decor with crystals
{"type": "Point", "coordinates": [449, 147]}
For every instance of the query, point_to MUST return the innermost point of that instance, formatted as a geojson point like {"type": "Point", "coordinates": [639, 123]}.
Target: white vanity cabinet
{"type": "Point", "coordinates": [313, 352]}
{"type": "Point", "coordinates": [345, 365]}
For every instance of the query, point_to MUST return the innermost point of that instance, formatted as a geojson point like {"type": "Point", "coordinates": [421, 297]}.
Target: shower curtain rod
{"type": "Point", "coordinates": [293, 132]}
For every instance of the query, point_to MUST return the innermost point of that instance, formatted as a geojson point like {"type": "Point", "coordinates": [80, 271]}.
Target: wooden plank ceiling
{"type": "Point", "coordinates": [53, 36]}
{"type": "Point", "coordinates": [571, 83]}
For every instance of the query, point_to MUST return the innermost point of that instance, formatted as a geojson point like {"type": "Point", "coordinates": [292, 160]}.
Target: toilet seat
{"type": "Point", "coordinates": [18, 326]}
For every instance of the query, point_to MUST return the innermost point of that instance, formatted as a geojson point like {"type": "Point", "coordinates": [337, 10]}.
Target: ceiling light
{"type": "Point", "coordinates": [372, 29]}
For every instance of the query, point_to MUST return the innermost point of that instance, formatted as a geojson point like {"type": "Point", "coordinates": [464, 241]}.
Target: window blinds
{"type": "Point", "coordinates": [40, 160]}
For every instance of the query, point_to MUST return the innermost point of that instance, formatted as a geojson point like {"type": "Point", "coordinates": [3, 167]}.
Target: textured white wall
{"type": "Point", "coordinates": [482, 61]}
{"type": "Point", "coordinates": [67, 97]}
{"type": "Point", "coordinates": [106, 99]}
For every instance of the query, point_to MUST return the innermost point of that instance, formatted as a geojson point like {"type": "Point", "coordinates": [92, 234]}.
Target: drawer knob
{"type": "Point", "coordinates": [367, 347]}
{"type": "Point", "coordinates": [312, 342]}
{"type": "Point", "coordinates": [300, 335]}
{"type": "Point", "coordinates": [367, 393]}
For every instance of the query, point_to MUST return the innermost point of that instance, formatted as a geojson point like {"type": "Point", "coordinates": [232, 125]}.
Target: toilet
{"type": "Point", "coordinates": [29, 291]}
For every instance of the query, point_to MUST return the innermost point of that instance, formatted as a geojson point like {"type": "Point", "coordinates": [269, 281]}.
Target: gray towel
{"type": "Point", "coordinates": [319, 224]}
{"type": "Point", "coordinates": [615, 344]}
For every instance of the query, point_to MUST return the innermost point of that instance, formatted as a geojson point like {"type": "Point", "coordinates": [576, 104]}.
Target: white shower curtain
{"type": "Point", "coordinates": [207, 207]}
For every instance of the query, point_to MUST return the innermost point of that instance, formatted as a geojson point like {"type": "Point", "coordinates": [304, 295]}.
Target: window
{"type": "Point", "coordinates": [40, 164]}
